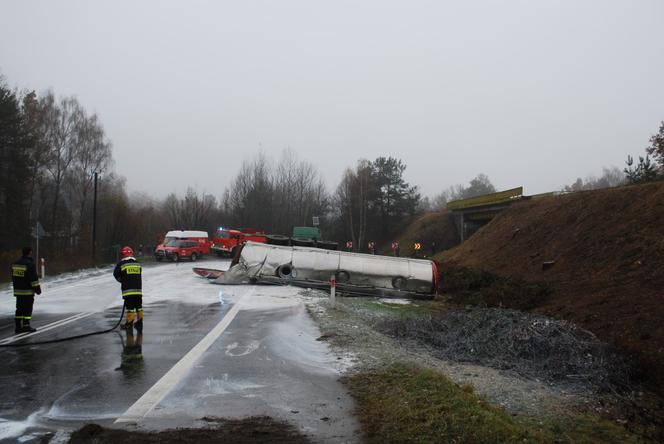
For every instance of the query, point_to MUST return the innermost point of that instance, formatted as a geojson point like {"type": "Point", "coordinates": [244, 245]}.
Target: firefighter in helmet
{"type": "Point", "coordinates": [128, 272]}
{"type": "Point", "coordinates": [26, 284]}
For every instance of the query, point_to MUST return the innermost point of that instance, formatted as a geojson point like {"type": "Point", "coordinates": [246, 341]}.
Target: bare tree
{"type": "Point", "coordinates": [276, 197]}
{"type": "Point", "coordinates": [62, 130]}
{"type": "Point", "coordinates": [195, 209]}
{"type": "Point", "coordinates": [284, 183]}
{"type": "Point", "coordinates": [300, 192]}
{"type": "Point", "coordinates": [93, 155]}
{"type": "Point", "coordinates": [352, 199]}
{"type": "Point", "coordinates": [611, 177]}
{"type": "Point", "coordinates": [38, 152]}
{"type": "Point", "coordinates": [171, 208]}
{"type": "Point", "coordinates": [250, 195]}
{"type": "Point", "coordinates": [480, 185]}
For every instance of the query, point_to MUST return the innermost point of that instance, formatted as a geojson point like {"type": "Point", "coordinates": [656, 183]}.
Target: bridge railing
{"type": "Point", "coordinates": [486, 199]}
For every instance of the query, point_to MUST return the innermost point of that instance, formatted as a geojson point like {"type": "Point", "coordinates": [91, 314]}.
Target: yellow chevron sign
{"type": "Point", "coordinates": [417, 246]}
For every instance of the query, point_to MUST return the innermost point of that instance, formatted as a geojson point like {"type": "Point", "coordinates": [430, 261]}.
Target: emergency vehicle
{"type": "Point", "coordinates": [226, 240]}
{"type": "Point", "coordinates": [183, 244]}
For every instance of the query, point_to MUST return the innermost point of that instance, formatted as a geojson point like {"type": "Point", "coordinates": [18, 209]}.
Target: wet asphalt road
{"type": "Point", "coordinates": [195, 363]}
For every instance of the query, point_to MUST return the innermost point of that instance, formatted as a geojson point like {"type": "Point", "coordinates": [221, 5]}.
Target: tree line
{"type": "Point", "coordinates": [49, 151]}
{"type": "Point", "coordinates": [648, 169]}
{"type": "Point", "coordinates": [51, 148]}
{"type": "Point", "coordinates": [368, 204]}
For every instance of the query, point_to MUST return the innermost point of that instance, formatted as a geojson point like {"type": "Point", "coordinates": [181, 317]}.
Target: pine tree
{"type": "Point", "coordinates": [656, 148]}
{"type": "Point", "coordinates": [644, 171]}
{"type": "Point", "coordinates": [13, 171]}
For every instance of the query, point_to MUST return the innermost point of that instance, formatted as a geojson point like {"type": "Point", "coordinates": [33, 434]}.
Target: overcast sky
{"type": "Point", "coordinates": [532, 93]}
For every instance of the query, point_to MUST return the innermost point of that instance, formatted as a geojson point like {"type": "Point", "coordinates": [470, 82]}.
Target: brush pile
{"type": "Point", "coordinates": [532, 346]}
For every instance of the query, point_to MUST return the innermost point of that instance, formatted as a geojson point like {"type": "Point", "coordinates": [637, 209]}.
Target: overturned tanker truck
{"type": "Point", "coordinates": [354, 273]}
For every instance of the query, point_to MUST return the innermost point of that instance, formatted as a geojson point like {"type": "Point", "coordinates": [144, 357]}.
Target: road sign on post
{"type": "Point", "coordinates": [349, 245]}
{"type": "Point", "coordinates": [417, 246]}
{"type": "Point", "coordinates": [315, 221]}
{"type": "Point", "coordinates": [94, 220]}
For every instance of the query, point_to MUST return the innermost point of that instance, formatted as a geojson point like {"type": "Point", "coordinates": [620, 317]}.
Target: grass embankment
{"type": "Point", "coordinates": [466, 286]}
{"type": "Point", "coordinates": [406, 403]}
{"type": "Point", "coordinates": [601, 253]}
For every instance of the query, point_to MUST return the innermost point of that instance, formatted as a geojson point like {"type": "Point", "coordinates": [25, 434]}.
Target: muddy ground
{"type": "Point", "coordinates": [252, 430]}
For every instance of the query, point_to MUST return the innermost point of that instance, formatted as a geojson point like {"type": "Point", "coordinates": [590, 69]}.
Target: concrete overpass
{"type": "Point", "coordinates": [475, 212]}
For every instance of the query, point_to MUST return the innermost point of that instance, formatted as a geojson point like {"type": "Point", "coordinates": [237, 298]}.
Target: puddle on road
{"type": "Point", "coordinates": [237, 350]}
{"type": "Point", "coordinates": [76, 405]}
{"type": "Point", "coordinates": [226, 385]}
{"type": "Point", "coordinates": [269, 298]}
{"type": "Point", "coordinates": [294, 341]}
{"type": "Point", "coordinates": [16, 429]}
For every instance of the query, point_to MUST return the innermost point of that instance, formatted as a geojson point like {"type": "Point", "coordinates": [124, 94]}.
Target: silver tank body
{"type": "Point", "coordinates": [313, 267]}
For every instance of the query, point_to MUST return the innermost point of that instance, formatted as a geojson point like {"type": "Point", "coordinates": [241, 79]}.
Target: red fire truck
{"type": "Point", "coordinates": [226, 240]}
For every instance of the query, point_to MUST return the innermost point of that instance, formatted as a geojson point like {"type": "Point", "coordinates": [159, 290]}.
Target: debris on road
{"type": "Point", "coordinates": [208, 273]}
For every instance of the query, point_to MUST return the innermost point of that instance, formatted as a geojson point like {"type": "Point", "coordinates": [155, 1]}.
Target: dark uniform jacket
{"type": "Point", "coordinates": [128, 273]}
{"type": "Point", "coordinates": [24, 277]}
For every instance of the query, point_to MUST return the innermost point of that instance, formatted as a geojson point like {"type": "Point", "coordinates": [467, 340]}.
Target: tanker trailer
{"type": "Point", "coordinates": [354, 273]}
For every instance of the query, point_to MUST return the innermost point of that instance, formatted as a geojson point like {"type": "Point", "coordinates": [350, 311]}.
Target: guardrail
{"type": "Point", "coordinates": [487, 199]}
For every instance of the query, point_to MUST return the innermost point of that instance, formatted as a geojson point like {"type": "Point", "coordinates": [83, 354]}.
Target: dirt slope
{"type": "Point", "coordinates": [428, 229]}
{"type": "Point", "coordinates": [608, 248]}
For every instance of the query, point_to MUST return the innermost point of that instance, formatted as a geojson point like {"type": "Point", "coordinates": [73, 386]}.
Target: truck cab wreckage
{"type": "Point", "coordinates": [354, 273]}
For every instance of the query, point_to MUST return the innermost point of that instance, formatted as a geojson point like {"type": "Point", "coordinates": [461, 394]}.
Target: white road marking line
{"type": "Point", "coordinates": [24, 335]}
{"type": "Point", "coordinates": [158, 392]}
{"type": "Point", "coordinates": [47, 327]}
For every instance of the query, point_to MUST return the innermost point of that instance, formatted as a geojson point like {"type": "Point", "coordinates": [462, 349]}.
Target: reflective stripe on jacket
{"type": "Point", "coordinates": [24, 277]}
{"type": "Point", "coordinates": [128, 272]}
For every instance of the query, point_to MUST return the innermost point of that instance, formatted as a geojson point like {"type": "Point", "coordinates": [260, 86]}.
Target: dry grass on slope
{"type": "Point", "coordinates": [607, 248]}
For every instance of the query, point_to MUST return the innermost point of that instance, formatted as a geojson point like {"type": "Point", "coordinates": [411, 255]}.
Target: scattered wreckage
{"type": "Point", "coordinates": [352, 273]}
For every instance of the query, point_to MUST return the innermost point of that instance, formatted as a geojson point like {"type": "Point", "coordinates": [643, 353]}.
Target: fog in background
{"type": "Point", "coordinates": [529, 93]}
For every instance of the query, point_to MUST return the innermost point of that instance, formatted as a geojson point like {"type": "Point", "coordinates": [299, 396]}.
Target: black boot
{"type": "Point", "coordinates": [27, 328]}
{"type": "Point", "coordinates": [139, 326]}
{"type": "Point", "coordinates": [19, 327]}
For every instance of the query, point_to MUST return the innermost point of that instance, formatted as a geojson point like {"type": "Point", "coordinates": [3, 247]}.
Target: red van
{"type": "Point", "coordinates": [180, 244]}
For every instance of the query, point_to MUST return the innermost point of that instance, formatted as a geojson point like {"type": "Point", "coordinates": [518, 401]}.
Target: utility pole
{"type": "Point", "coordinates": [94, 222]}
{"type": "Point", "coordinates": [37, 236]}
{"type": "Point", "coordinates": [39, 232]}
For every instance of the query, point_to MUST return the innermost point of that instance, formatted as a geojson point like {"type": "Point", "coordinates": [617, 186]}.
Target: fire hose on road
{"type": "Point", "coordinates": [69, 338]}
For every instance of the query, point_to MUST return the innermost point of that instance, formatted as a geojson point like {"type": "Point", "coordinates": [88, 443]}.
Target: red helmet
{"type": "Point", "coordinates": [126, 252]}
